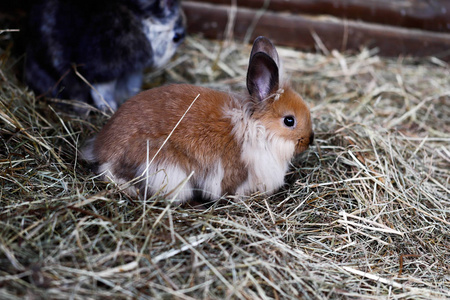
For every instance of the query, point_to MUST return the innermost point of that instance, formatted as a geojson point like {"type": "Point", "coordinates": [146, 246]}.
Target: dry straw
{"type": "Point", "coordinates": [365, 213]}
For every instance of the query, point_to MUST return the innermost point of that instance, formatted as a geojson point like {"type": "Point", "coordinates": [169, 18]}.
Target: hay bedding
{"type": "Point", "coordinates": [365, 213]}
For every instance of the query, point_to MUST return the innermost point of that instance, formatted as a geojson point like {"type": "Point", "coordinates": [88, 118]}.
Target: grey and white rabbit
{"type": "Point", "coordinates": [231, 143]}
{"type": "Point", "coordinates": [108, 42]}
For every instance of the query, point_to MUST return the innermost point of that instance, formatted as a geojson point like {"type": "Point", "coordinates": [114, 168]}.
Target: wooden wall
{"type": "Point", "coordinates": [395, 27]}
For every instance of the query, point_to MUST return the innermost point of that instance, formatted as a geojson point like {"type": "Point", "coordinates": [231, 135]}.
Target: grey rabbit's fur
{"type": "Point", "coordinates": [107, 42]}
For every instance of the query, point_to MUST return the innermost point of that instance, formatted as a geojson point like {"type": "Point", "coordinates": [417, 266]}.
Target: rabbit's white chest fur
{"type": "Point", "coordinates": [266, 166]}
{"type": "Point", "coordinates": [266, 156]}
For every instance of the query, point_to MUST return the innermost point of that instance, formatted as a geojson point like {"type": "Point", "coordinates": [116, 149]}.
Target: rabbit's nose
{"type": "Point", "coordinates": [311, 138]}
{"type": "Point", "coordinates": [179, 35]}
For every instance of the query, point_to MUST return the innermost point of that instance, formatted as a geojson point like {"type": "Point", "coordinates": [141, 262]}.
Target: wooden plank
{"type": "Point", "coordinates": [420, 14]}
{"type": "Point", "coordinates": [297, 30]}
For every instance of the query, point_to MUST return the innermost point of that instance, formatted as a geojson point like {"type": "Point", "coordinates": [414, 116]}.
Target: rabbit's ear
{"type": "Point", "coordinates": [262, 75]}
{"type": "Point", "coordinates": [263, 44]}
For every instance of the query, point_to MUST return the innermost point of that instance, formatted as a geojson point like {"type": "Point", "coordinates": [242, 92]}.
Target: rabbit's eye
{"type": "Point", "coordinates": [289, 121]}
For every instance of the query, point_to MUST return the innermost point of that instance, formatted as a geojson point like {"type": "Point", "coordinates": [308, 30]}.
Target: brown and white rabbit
{"type": "Point", "coordinates": [233, 144]}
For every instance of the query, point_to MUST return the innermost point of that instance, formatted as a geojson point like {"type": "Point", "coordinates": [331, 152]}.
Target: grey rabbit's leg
{"type": "Point", "coordinates": [128, 85]}
{"type": "Point", "coordinates": [103, 95]}
{"type": "Point", "coordinates": [38, 78]}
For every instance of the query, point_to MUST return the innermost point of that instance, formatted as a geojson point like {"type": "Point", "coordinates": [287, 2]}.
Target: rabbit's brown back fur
{"type": "Point", "coordinates": [196, 144]}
